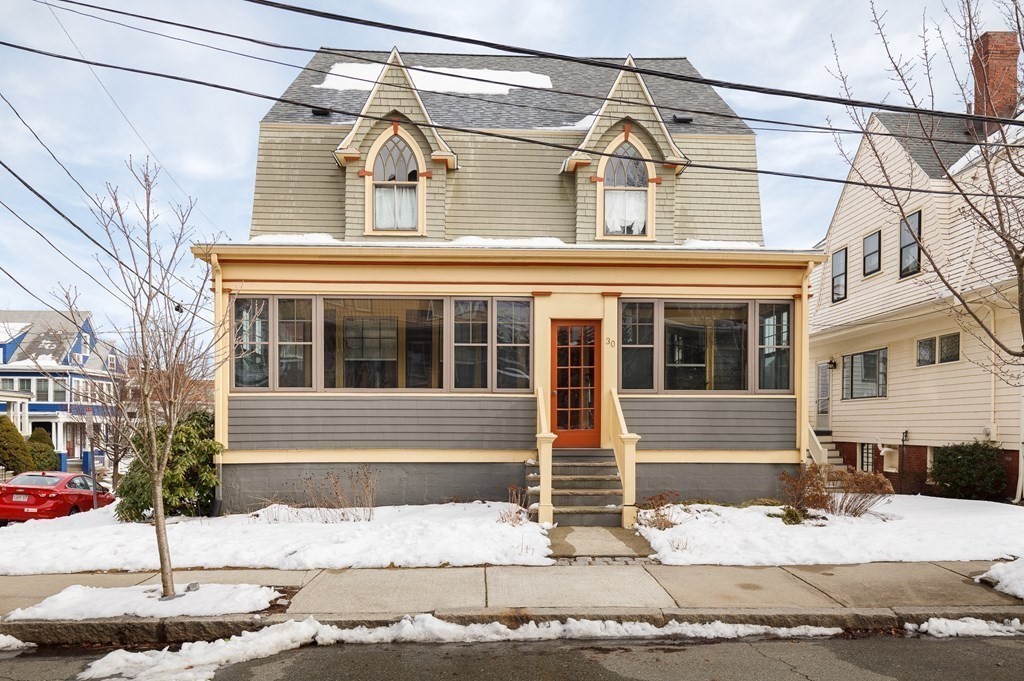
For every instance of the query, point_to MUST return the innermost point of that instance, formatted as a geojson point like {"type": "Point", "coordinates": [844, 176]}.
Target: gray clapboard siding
{"type": "Point", "coordinates": [353, 422]}
{"type": "Point", "coordinates": [711, 423]}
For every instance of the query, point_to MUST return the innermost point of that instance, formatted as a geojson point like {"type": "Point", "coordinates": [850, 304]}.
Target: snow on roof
{"type": "Point", "coordinates": [9, 330]}
{"type": "Point", "coordinates": [710, 245]}
{"type": "Point", "coordinates": [1013, 136]}
{"type": "Point", "coordinates": [41, 362]}
{"type": "Point", "coordinates": [584, 124]}
{"type": "Point", "coordinates": [442, 79]}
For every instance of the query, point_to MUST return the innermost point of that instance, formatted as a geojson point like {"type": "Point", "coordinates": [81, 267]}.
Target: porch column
{"type": "Point", "coordinates": [59, 443]}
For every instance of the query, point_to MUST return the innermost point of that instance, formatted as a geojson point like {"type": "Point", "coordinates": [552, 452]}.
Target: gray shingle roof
{"type": "Point", "coordinates": [499, 111]}
{"type": "Point", "coordinates": [50, 333]}
{"type": "Point", "coordinates": [931, 158]}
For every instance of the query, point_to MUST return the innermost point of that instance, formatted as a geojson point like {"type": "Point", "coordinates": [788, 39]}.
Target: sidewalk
{"type": "Point", "coordinates": [867, 596]}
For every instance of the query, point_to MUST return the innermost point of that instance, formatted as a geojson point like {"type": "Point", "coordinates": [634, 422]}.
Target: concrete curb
{"type": "Point", "coordinates": [128, 632]}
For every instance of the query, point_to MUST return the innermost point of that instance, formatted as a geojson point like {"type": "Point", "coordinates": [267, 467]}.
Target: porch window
{"type": "Point", "coordinates": [383, 343]}
{"type": "Point", "coordinates": [773, 346]}
{"type": "Point", "coordinates": [42, 390]}
{"type": "Point", "coordinates": [471, 317]}
{"type": "Point", "coordinates": [514, 322]}
{"type": "Point", "coordinates": [839, 275]}
{"type": "Point", "coordinates": [295, 342]}
{"type": "Point", "coordinates": [705, 346]}
{"type": "Point", "coordinates": [637, 346]}
{"type": "Point", "coordinates": [865, 374]}
{"type": "Point", "coordinates": [252, 343]}
{"type": "Point", "coordinates": [910, 246]}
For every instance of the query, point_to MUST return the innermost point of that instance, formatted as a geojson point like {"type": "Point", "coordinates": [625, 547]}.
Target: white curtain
{"type": "Point", "coordinates": [625, 212]}
{"type": "Point", "coordinates": [394, 208]}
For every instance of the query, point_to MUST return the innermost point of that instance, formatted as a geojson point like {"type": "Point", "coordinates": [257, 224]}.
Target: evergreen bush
{"type": "Point", "coordinates": [969, 470]}
{"type": "Point", "coordinates": [41, 451]}
{"type": "Point", "coordinates": [14, 454]}
{"type": "Point", "coordinates": [191, 476]}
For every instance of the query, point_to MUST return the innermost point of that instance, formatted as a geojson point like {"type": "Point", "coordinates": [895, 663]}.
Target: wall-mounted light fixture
{"type": "Point", "coordinates": [832, 363]}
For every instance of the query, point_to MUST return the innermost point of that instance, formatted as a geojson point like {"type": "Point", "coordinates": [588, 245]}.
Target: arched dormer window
{"type": "Point", "coordinates": [395, 193]}
{"type": "Point", "coordinates": [626, 192]}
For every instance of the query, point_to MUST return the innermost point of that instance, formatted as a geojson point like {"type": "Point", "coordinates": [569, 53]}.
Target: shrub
{"type": "Point", "coordinates": [761, 501]}
{"type": "Point", "coordinates": [857, 492]}
{"type": "Point", "coordinates": [41, 451]}
{"type": "Point", "coordinates": [656, 510]}
{"type": "Point", "coordinates": [969, 470]}
{"type": "Point", "coordinates": [190, 480]}
{"type": "Point", "coordinates": [791, 516]}
{"type": "Point", "coordinates": [14, 455]}
{"type": "Point", "coordinates": [806, 489]}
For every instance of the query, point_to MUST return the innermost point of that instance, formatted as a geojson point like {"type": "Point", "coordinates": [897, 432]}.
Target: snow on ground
{"type": "Point", "coordinates": [1008, 577]}
{"type": "Point", "coordinates": [909, 528]}
{"type": "Point", "coordinates": [199, 661]}
{"type": "Point", "coordinates": [966, 626]}
{"type": "Point", "coordinates": [10, 644]}
{"type": "Point", "coordinates": [87, 602]}
{"type": "Point", "coordinates": [278, 537]}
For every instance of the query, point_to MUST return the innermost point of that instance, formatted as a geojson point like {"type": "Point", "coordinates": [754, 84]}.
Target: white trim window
{"type": "Point", "coordinates": [938, 349]}
{"type": "Point", "coordinates": [872, 253]}
{"type": "Point", "coordinates": [866, 457]}
{"type": "Point", "coordinates": [626, 190]}
{"type": "Point", "coordinates": [839, 275]}
{"type": "Point", "coordinates": [42, 390]}
{"type": "Point", "coordinates": [910, 246]}
{"type": "Point", "coordinates": [395, 183]}
{"type": "Point", "coordinates": [865, 374]}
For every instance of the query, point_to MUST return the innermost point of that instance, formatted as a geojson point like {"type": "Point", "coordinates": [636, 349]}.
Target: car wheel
{"type": "Point", "coordinates": [73, 511]}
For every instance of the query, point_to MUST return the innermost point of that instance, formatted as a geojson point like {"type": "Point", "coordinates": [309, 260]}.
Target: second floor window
{"type": "Point", "coordinates": [872, 253]}
{"type": "Point", "coordinates": [395, 183]}
{"type": "Point", "coordinates": [910, 246]}
{"type": "Point", "coordinates": [625, 193]}
{"type": "Point", "coordinates": [839, 275]}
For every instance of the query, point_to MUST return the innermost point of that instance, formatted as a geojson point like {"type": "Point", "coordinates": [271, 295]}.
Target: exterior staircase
{"type": "Point", "coordinates": [586, 489]}
{"type": "Point", "coordinates": [828, 444]}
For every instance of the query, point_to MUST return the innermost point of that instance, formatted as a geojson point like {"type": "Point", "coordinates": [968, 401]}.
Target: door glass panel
{"type": "Point", "coordinates": [575, 401]}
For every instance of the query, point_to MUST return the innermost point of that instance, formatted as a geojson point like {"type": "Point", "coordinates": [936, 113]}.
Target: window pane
{"type": "Point", "coordinates": [383, 343]}
{"type": "Point", "coordinates": [773, 322]}
{"type": "Point", "coordinates": [910, 250]}
{"type": "Point", "coordinates": [705, 346]}
{"type": "Point", "coordinates": [25, 385]}
{"type": "Point", "coordinates": [60, 392]}
{"type": "Point", "coordinates": [925, 352]}
{"type": "Point", "coordinates": [637, 324]}
{"type": "Point", "coordinates": [42, 390]}
{"type": "Point", "coordinates": [470, 366]}
{"type": "Point", "coordinates": [630, 171]}
{"type": "Point", "coordinates": [625, 212]}
{"type": "Point", "coordinates": [514, 367]}
{"type": "Point", "coordinates": [865, 374]}
{"type": "Point", "coordinates": [6, 384]}
{"type": "Point", "coordinates": [295, 366]}
{"type": "Point", "coordinates": [949, 348]}
{"type": "Point", "coordinates": [839, 275]}
{"type": "Point", "coordinates": [295, 343]}
{"type": "Point", "coordinates": [395, 207]}
{"type": "Point", "coordinates": [251, 365]}
{"type": "Point", "coordinates": [909, 260]}
{"type": "Point", "coordinates": [872, 253]}
{"type": "Point", "coordinates": [637, 368]}
{"type": "Point", "coordinates": [395, 162]}
{"type": "Point", "coordinates": [773, 366]}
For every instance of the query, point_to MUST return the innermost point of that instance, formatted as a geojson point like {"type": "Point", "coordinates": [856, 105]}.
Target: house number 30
{"type": "Point", "coordinates": [610, 342]}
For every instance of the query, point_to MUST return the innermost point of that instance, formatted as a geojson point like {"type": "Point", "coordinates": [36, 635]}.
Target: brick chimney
{"type": "Point", "coordinates": [994, 64]}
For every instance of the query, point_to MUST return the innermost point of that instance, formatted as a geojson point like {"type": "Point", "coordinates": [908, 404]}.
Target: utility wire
{"type": "Point", "coordinates": [124, 115]}
{"type": "Point", "coordinates": [787, 125]}
{"type": "Point", "coordinates": [503, 136]}
{"type": "Point", "coordinates": [724, 84]}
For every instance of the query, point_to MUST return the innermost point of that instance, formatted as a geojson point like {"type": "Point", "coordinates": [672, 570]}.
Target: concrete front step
{"type": "Point", "coordinates": [535, 477]}
{"type": "Point", "coordinates": [605, 482]}
{"type": "Point", "coordinates": [589, 516]}
{"type": "Point", "coordinates": [582, 497]}
{"type": "Point", "coordinates": [577, 468]}
{"type": "Point", "coordinates": [583, 455]}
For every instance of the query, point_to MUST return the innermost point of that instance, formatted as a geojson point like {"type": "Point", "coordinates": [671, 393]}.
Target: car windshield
{"type": "Point", "coordinates": [34, 481]}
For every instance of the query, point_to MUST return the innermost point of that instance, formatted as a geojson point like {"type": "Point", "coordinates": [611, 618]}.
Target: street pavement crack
{"type": "Point", "coordinates": [792, 666]}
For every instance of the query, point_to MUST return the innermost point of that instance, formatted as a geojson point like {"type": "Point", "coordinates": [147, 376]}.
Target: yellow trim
{"type": "Point", "coordinates": [650, 190]}
{"type": "Point", "coordinates": [397, 394]}
{"type": "Point", "coordinates": [718, 456]}
{"type": "Point", "coordinates": [421, 186]}
{"type": "Point", "coordinates": [246, 456]}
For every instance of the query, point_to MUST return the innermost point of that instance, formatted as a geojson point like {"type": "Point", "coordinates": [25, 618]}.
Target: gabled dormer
{"type": "Point", "coordinates": [395, 162]}
{"type": "Point", "coordinates": [626, 168]}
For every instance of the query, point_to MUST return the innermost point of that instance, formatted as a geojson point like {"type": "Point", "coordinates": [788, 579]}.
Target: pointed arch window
{"type": "Point", "coordinates": [625, 197]}
{"type": "Point", "coordinates": [395, 187]}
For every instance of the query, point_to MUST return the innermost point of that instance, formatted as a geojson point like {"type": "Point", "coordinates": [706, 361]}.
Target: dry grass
{"type": "Point", "coordinates": [806, 489]}
{"type": "Point", "coordinates": [838, 491]}
{"type": "Point", "coordinates": [515, 514]}
{"type": "Point", "coordinates": [656, 511]}
{"type": "Point", "coordinates": [337, 499]}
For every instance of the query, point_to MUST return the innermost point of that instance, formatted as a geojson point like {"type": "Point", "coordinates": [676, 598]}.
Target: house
{"type": "Point", "coordinates": [54, 375]}
{"type": "Point", "coordinates": [477, 271]}
{"type": "Point", "coordinates": [894, 373]}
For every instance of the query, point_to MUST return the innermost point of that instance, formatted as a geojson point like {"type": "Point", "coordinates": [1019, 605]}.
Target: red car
{"type": "Point", "coordinates": [48, 494]}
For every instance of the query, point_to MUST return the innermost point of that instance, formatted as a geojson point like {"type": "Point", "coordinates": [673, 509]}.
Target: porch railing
{"type": "Point", "coordinates": [624, 446]}
{"type": "Point", "coordinates": [814, 448]}
{"type": "Point", "coordinates": [545, 440]}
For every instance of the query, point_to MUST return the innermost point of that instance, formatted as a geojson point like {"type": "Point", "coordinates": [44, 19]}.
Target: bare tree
{"type": "Point", "coordinates": [164, 346]}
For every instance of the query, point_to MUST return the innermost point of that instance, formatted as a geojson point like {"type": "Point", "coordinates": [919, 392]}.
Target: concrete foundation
{"type": "Point", "coordinates": [729, 482]}
{"type": "Point", "coordinates": [248, 487]}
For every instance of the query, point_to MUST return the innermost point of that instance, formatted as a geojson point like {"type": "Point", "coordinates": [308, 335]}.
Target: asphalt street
{"type": "Point", "coordinates": [869, 659]}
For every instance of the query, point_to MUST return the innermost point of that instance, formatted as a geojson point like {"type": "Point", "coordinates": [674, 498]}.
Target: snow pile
{"type": "Point", "coordinates": [296, 239]}
{"type": "Point", "coordinates": [909, 528]}
{"type": "Point", "coordinates": [87, 602]}
{"type": "Point", "coordinates": [278, 537]}
{"type": "Point", "coordinates": [200, 661]}
{"type": "Point", "coordinates": [711, 245]}
{"type": "Point", "coordinates": [10, 644]}
{"type": "Point", "coordinates": [1008, 577]}
{"type": "Point", "coordinates": [344, 75]}
{"type": "Point", "coordinates": [966, 626]}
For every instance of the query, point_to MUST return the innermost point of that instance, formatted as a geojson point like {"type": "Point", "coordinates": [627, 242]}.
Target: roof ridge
{"type": "Point", "coordinates": [485, 54]}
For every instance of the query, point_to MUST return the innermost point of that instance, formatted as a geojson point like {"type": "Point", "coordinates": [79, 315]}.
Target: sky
{"type": "Point", "coordinates": [205, 140]}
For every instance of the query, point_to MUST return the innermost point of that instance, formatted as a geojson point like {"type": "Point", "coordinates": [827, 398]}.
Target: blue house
{"type": "Point", "coordinates": [56, 360]}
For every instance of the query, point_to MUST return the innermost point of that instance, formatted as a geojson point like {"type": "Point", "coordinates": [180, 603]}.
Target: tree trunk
{"type": "Point", "coordinates": [115, 474]}
{"type": "Point", "coordinates": [166, 575]}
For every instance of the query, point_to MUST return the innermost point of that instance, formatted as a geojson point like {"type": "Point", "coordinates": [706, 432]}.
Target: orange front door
{"type": "Point", "coordinates": [576, 383]}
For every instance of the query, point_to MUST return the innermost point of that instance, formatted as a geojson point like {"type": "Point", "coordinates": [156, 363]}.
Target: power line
{"type": "Point", "coordinates": [124, 115]}
{"type": "Point", "coordinates": [788, 125]}
{"type": "Point", "coordinates": [504, 136]}
{"type": "Point", "coordinates": [724, 84]}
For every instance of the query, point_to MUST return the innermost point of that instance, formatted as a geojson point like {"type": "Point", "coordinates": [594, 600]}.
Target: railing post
{"type": "Point", "coordinates": [545, 511]}
{"type": "Point", "coordinates": [628, 475]}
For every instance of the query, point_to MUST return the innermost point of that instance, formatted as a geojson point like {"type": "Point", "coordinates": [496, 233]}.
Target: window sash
{"type": "Point", "coordinates": [872, 253]}
{"type": "Point", "coordinates": [925, 352]}
{"type": "Point", "coordinates": [865, 374]}
{"type": "Point", "coordinates": [941, 349]}
{"type": "Point", "coordinates": [866, 461]}
{"type": "Point", "coordinates": [910, 248]}
{"type": "Point", "coordinates": [839, 275]}
{"type": "Point", "coordinates": [42, 391]}
{"type": "Point", "coordinates": [949, 348]}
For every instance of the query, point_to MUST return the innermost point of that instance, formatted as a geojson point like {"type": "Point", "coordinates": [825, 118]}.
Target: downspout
{"type": "Point", "coordinates": [218, 459]}
{"type": "Point", "coordinates": [1020, 446]}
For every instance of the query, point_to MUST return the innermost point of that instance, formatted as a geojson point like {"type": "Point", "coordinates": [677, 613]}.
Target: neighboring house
{"type": "Point", "coordinates": [894, 373]}
{"type": "Point", "coordinates": [60, 365]}
{"type": "Point", "coordinates": [448, 306]}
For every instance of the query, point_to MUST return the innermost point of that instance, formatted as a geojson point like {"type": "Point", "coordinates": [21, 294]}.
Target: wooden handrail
{"type": "Point", "coordinates": [624, 446]}
{"type": "Point", "coordinates": [545, 439]}
{"type": "Point", "coordinates": [814, 447]}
